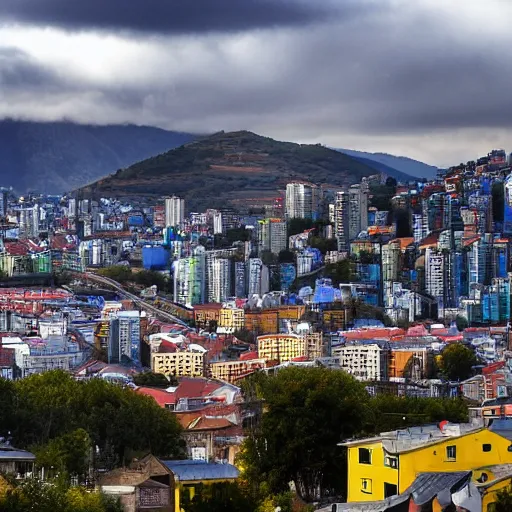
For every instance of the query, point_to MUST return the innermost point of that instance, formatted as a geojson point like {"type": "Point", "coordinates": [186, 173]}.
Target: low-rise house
{"type": "Point", "coordinates": [388, 464]}
{"type": "Point", "coordinates": [189, 475]}
{"type": "Point", "coordinates": [18, 463]}
{"type": "Point", "coordinates": [146, 485]}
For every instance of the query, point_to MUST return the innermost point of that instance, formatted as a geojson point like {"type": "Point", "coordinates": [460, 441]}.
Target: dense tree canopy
{"type": "Point", "coordinates": [154, 380]}
{"type": "Point", "coordinates": [457, 362]}
{"type": "Point", "coordinates": [308, 412]}
{"type": "Point", "coordinates": [305, 412]}
{"type": "Point", "coordinates": [55, 496]}
{"type": "Point", "coordinates": [60, 418]}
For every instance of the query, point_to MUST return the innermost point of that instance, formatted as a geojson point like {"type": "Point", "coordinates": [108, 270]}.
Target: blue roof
{"type": "Point", "coordinates": [191, 470]}
{"type": "Point", "coordinates": [8, 453]}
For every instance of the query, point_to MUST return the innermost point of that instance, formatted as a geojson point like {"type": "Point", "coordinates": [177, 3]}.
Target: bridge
{"type": "Point", "coordinates": [163, 315]}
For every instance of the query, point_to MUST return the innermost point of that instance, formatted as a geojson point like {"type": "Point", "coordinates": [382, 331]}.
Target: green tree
{"type": "Point", "coordinates": [55, 496]}
{"type": "Point", "coordinates": [69, 453]}
{"type": "Point", "coordinates": [308, 412]}
{"type": "Point", "coordinates": [50, 408]}
{"type": "Point", "coordinates": [286, 256]}
{"type": "Point", "coordinates": [155, 380]}
{"type": "Point", "coordinates": [386, 412]}
{"type": "Point", "coordinates": [457, 362]}
{"type": "Point", "coordinates": [339, 272]}
{"type": "Point", "coordinates": [220, 497]}
{"type": "Point", "coordinates": [299, 225]}
{"type": "Point", "coordinates": [503, 501]}
{"type": "Point", "coordinates": [119, 273]}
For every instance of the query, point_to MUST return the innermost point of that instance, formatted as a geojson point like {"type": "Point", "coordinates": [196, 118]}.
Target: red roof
{"type": "Point", "coordinates": [190, 387]}
{"type": "Point", "coordinates": [161, 396]}
{"type": "Point", "coordinates": [247, 356]}
{"type": "Point", "coordinates": [491, 368]}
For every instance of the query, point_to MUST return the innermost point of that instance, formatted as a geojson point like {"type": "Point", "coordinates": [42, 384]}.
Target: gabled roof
{"type": "Point", "coordinates": [195, 470]}
{"type": "Point", "coordinates": [161, 396]}
{"type": "Point", "coordinates": [428, 485]}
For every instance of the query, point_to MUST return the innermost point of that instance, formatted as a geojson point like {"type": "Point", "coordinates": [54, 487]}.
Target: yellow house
{"type": "Point", "coordinates": [387, 465]}
{"type": "Point", "coordinates": [190, 474]}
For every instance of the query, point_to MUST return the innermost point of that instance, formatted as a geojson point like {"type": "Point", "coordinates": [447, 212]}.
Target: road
{"type": "Point", "coordinates": [164, 315]}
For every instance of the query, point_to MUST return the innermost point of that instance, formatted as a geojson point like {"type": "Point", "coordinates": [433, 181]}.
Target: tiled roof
{"type": "Point", "coordinates": [161, 396]}
{"type": "Point", "coordinates": [190, 387]}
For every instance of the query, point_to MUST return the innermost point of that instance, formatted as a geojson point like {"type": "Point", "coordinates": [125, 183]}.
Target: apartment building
{"type": "Point", "coordinates": [301, 201]}
{"type": "Point", "coordinates": [281, 347]}
{"type": "Point", "coordinates": [231, 371]}
{"type": "Point", "coordinates": [366, 360]}
{"type": "Point", "coordinates": [174, 211]}
{"type": "Point", "coordinates": [272, 235]}
{"type": "Point", "coordinates": [182, 363]}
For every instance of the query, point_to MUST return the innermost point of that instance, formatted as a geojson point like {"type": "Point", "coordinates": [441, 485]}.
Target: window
{"type": "Point", "coordinates": [366, 485]}
{"type": "Point", "coordinates": [390, 490]}
{"type": "Point", "coordinates": [391, 462]}
{"type": "Point", "coordinates": [365, 456]}
{"type": "Point", "coordinates": [451, 453]}
{"type": "Point", "coordinates": [486, 447]}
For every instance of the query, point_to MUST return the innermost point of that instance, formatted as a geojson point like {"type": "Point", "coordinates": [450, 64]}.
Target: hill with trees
{"type": "Point", "coordinates": [235, 168]}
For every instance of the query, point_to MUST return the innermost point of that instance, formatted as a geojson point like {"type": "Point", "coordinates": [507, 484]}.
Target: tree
{"type": "Point", "coordinates": [299, 225]}
{"type": "Point", "coordinates": [53, 412]}
{"type": "Point", "coordinates": [53, 496]}
{"type": "Point", "coordinates": [219, 497]}
{"type": "Point", "coordinates": [339, 272]}
{"type": "Point", "coordinates": [386, 412]}
{"type": "Point", "coordinates": [461, 322]}
{"type": "Point", "coordinates": [308, 412]}
{"type": "Point", "coordinates": [154, 380]}
{"type": "Point", "coordinates": [457, 362]}
{"type": "Point", "coordinates": [119, 273]}
{"type": "Point", "coordinates": [503, 501]}
{"type": "Point", "coordinates": [286, 256]}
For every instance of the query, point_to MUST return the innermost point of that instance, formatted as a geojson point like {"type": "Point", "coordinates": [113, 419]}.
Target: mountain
{"type": "Point", "coordinates": [236, 168]}
{"type": "Point", "coordinates": [56, 157]}
{"type": "Point", "coordinates": [399, 163]}
{"type": "Point", "coordinates": [385, 169]}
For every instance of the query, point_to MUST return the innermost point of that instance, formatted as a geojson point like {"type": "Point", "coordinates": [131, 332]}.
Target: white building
{"type": "Point", "coordinates": [301, 201]}
{"type": "Point", "coordinates": [365, 360]}
{"type": "Point", "coordinates": [218, 277]}
{"type": "Point", "coordinates": [174, 211]}
{"type": "Point", "coordinates": [272, 235]}
{"type": "Point", "coordinates": [341, 221]}
{"type": "Point", "coordinates": [358, 208]}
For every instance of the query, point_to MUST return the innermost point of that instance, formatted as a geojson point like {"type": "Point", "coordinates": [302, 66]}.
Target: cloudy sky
{"type": "Point", "coordinates": [429, 79]}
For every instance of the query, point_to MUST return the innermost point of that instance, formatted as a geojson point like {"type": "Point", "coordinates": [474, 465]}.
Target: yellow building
{"type": "Point", "coordinates": [230, 320]}
{"type": "Point", "coordinates": [281, 347]}
{"type": "Point", "coordinates": [185, 363]}
{"type": "Point", "coordinates": [230, 371]}
{"type": "Point", "coordinates": [190, 475]}
{"type": "Point", "coordinates": [387, 465]}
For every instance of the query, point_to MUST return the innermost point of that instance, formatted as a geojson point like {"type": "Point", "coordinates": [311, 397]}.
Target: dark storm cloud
{"type": "Point", "coordinates": [168, 16]}
{"type": "Point", "coordinates": [19, 70]}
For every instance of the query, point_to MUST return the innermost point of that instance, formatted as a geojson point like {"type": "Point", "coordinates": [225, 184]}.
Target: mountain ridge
{"type": "Point", "coordinates": [404, 164]}
{"type": "Point", "coordinates": [235, 168]}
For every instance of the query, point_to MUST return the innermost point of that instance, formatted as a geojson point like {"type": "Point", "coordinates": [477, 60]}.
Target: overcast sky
{"type": "Point", "coordinates": [429, 79]}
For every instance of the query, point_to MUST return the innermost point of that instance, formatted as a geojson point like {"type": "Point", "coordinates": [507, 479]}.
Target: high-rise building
{"type": "Point", "coordinates": [190, 278]}
{"type": "Point", "coordinates": [301, 201]}
{"type": "Point", "coordinates": [358, 208]}
{"type": "Point", "coordinates": [174, 211]}
{"type": "Point", "coordinates": [272, 235]}
{"type": "Point", "coordinates": [342, 221]}
{"type": "Point", "coordinates": [257, 277]}
{"type": "Point", "coordinates": [124, 337]}
{"type": "Point", "coordinates": [434, 275]}
{"type": "Point", "coordinates": [218, 278]}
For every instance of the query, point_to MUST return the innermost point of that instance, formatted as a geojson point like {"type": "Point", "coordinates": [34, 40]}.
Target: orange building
{"type": "Point", "coordinates": [267, 321]}
{"type": "Point", "coordinates": [206, 314]}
